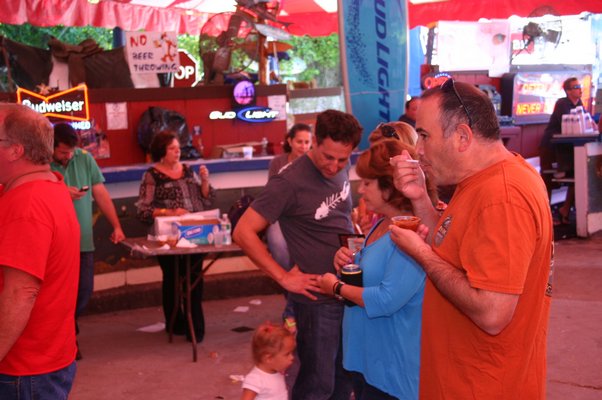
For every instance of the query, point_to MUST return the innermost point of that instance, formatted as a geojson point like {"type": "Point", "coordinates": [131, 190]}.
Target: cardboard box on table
{"type": "Point", "coordinates": [197, 227]}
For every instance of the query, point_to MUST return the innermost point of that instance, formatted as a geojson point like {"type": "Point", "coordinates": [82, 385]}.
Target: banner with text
{"type": "Point", "coordinates": [152, 52]}
{"type": "Point", "coordinates": [376, 41]}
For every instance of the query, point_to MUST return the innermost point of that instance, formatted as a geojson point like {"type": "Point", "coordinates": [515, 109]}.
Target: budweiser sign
{"type": "Point", "coordinates": [70, 104]}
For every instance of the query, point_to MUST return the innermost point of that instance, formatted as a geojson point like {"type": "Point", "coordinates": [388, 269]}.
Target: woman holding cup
{"type": "Point", "coordinates": [170, 188]}
{"type": "Point", "coordinates": [381, 337]}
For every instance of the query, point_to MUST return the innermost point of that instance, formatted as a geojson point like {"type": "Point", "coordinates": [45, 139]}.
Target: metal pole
{"type": "Point", "coordinates": [343, 55]}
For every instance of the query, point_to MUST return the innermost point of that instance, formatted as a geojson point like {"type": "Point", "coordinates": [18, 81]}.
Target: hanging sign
{"type": "Point", "coordinates": [247, 114]}
{"type": "Point", "coordinates": [71, 104]}
{"type": "Point", "coordinates": [257, 114]}
{"type": "Point", "coordinates": [152, 52]}
{"type": "Point", "coordinates": [432, 80]}
{"type": "Point", "coordinates": [375, 34]}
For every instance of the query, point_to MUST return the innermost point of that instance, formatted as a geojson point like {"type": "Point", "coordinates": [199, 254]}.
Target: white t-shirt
{"type": "Point", "coordinates": [267, 386]}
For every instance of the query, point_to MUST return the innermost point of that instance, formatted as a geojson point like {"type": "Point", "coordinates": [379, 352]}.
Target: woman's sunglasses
{"type": "Point", "coordinates": [387, 131]}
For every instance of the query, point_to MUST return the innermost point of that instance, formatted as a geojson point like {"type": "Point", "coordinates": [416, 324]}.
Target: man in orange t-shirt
{"type": "Point", "coordinates": [487, 299]}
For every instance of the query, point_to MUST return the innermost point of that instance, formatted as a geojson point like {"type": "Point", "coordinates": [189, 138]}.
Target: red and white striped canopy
{"type": "Point", "coordinates": [311, 17]}
{"type": "Point", "coordinates": [307, 17]}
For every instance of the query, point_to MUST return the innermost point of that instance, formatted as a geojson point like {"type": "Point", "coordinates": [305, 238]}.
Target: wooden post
{"type": "Point", "coordinates": [263, 58]}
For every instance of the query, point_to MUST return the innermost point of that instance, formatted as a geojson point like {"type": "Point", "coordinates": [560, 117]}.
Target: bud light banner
{"type": "Point", "coordinates": [376, 58]}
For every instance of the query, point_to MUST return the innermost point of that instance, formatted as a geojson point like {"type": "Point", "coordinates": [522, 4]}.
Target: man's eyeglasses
{"type": "Point", "coordinates": [387, 131]}
{"type": "Point", "coordinates": [449, 86]}
{"type": "Point", "coordinates": [576, 87]}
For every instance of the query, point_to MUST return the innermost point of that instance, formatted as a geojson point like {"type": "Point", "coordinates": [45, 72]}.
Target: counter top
{"type": "Point", "coordinates": [134, 172]}
{"type": "Point", "coordinates": [576, 140]}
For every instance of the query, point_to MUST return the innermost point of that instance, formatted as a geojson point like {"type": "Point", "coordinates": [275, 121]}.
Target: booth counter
{"type": "Point", "coordinates": [124, 181]}
{"type": "Point", "coordinates": [232, 178]}
{"type": "Point", "coordinates": [116, 113]}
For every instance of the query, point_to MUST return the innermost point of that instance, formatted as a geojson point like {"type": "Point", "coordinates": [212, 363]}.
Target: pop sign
{"type": "Point", "coordinates": [187, 74]}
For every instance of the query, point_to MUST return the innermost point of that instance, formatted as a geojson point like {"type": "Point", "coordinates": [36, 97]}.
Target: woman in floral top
{"type": "Point", "coordinates": [172, 188]}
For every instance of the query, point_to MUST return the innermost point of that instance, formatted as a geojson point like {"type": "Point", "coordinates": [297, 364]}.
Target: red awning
{"type": "Point", "coordinates": [306, 16]}
{"type": "Point", "coordinates": [472, 10]}
{"type": "Point", "coordinates": [309, 17]}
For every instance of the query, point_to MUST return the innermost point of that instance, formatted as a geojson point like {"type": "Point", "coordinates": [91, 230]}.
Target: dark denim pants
{"type": "Point", "coordinates": [364, 391]}
{"type": "Point", "coordinates": [167, 264]}
{"type": "Point", "coordinates": [321, 375]}
{"type": "Point", "coordinates": [86, 281]}
{"type": "Point", "coordinates": [51, 386]}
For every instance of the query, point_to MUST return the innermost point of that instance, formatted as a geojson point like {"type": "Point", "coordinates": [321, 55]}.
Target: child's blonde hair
{"type": "Point", "coordinates": [268, 340]}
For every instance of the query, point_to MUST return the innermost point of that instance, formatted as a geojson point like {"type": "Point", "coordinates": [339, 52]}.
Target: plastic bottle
{"type": "Point", "coordinates": [226, 228]}
{"type": "Point", "coordinates": [566, 127]}
{"type": "Point", "coordinates": [264, 146]}
{"type": "Point", "coordinates": [575, 124]}
{"type": "Point", "coordinates": [581, 115]}
{"type": "Point", "coordinates": [197, 140]}
{"type": "Point", "coordinates": [588, 123]}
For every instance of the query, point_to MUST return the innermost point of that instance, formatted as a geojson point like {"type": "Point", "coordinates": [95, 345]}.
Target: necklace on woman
{"type": "Point", "coordinates": [10, 183]}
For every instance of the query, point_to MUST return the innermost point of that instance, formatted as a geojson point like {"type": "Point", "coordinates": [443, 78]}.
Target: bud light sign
{"type": "Point", "coordinates": [257, 114]}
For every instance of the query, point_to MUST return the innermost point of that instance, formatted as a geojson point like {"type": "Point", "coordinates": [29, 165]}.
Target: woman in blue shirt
{"type": "Point", "coordinates": [381, 337]}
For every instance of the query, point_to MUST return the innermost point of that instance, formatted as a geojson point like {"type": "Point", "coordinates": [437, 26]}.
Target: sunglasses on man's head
{"type": "Point", "coordinates": [449, 86]}
{"type": "Point", "coordinates": [387, 131]}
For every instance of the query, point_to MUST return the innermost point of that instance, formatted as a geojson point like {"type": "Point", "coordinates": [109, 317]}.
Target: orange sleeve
{"type": "Point", "coordinates": [497, 248]}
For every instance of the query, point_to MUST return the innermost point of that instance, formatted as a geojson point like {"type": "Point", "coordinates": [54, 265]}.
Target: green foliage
{"type": "Point", "coordinates": [318, 53]}
{"type": "Point", "coordinates": [38, 36]}
{"type": "Point", "coordinates": [190, 44]}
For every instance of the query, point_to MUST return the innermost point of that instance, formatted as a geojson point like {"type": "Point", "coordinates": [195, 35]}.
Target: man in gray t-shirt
{"type": "Point", "coordinates": [312, 201]}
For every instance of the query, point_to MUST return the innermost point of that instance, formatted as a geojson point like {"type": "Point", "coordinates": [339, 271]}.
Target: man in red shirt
{"type": "Point", "coordinates": [487, 257]}
{"type": "Point", "coordinates": [39, 262]}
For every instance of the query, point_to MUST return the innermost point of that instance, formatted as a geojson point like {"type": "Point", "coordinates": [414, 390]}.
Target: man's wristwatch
{"type": "Point", "coordinates": [337, 288]}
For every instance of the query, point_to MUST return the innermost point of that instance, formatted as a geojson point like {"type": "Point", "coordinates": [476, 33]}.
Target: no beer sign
{"type": "Point", "coordinates": [152, 52]}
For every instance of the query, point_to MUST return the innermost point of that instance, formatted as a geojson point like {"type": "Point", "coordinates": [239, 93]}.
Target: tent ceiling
{"type": "Point", "coordinates": [473, 10]}
{"type": "Point", "coordinates": [311, 17]}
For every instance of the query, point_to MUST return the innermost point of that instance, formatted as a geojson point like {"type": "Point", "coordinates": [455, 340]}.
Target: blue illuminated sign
{"type": "Point", "coordinates": [257, 114]}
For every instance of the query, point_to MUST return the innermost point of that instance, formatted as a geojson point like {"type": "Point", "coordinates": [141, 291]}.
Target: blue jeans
{"type": "Point", "coordinates": [321, 375]}
{"type": "Point", "coordinates": [51, 386]}
{"type": "Point", "coordinates": [279, 250]}
{"type": "Point", "coordinates": [86, 281]}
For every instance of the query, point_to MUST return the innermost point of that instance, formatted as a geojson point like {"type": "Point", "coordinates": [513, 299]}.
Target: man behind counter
{"type": "Point", "coordinates": [562, 154]}
{"type": "Point", "coordinates": [411, 109]}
